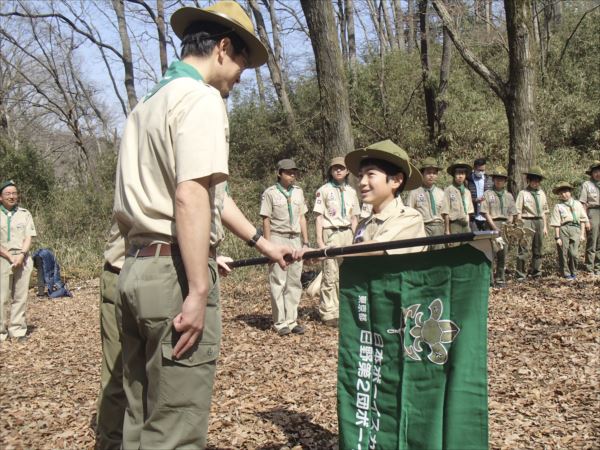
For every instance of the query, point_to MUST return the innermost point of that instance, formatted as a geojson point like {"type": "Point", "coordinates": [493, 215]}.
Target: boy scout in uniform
{"type": "Point", "coordinates": [282, 209]}
{"type": "Point", "coordinates": [429, 200]}
{"type": "Point", "coordinates": [498, 207]}
{"type": "Point", "coordinates": [567, 219]}
{"type": "Point", "coordinates": [459, 204]}
{"type": "Point", "coordinates": [170, 202]}
{"type": "Point", "coordinates": [16, 232]}
{"type": "Point", "coordinates": [337, 209]}
{"type": "Point", "coordinates": [384, 170]}
{"type": "Point", "coordinates": [532, 208]}
{"type": "Point", "coordinates": [590, 197]}
{"type": "Point", "coordinates": [111, 400]}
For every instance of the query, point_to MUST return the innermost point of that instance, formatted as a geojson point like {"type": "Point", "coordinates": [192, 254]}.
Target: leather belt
{"type": "Point", "coordinates": [532, 218]}
{"type": "Point", "coordinates": [112, 269]}
{"type": "Point", "coordinates": [290, 235]}
{"type": "Point", "coordinates": [164, 250]}
{"type": "Point", "coordinates": [338, 228]}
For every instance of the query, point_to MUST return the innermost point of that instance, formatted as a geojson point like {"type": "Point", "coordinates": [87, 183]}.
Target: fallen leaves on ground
{"type": "Point", "coordinates": [277, 392]}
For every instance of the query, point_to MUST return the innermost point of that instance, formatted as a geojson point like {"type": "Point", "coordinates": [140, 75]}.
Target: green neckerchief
{"type": "Point", "coordinates": [9, 215]}
{"type": "Point", "coordinates": [431, 200]}
{"type": "Point", "coordinates": [461, 188]}
{"type": "Point", "coordinates": [288, 195]}
{"type": "Point", "coordinates": [571, 205]}
{"type": "Point", "coordinates": [341, 188]}
{"type": "Point", "coordinates": [177, 69]}
{"type": "Point", "coordinates": [500, 195]}
{"type": "Point", "coordinates": [536, 196]}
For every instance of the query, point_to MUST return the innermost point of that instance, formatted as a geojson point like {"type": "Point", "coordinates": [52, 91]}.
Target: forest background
{"type": "Point", "coordinates": [516, 81]}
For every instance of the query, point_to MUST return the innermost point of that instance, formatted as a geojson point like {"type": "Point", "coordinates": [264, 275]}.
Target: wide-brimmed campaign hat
{"type": "Point", "coordinates": [460, 164]}
{"type": "Point", "coordinates": [228, 14]}
{"type": "Point", "coordinates": [535, 171]}
{"type": "Point", "coordinates": [499, 171]}
{"type": "Point", "coordinates": [429, 163]}
{"type": "Point", "coordinates": [594, 165]}
{"type": "Point", "coordinates": [337, 161]}
{"type": "Point", "coordinates": [390, 152]}
{"type": "Point", "coordinates": [560, 186]}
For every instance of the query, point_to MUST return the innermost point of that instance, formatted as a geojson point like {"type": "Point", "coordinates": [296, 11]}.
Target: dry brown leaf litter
{"type": "Point", "coordinates": [277, 393]}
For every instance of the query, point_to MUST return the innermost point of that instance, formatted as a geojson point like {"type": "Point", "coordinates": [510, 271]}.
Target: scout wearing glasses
{"type": "Point", "coordinates": [532, 208]}
{"type": "Point", "coordinates": [568, 219]}
{"type": "Point", "coordinates": [170, 204]}
{"type": "Point", "coordinates": [459, 204]}
{"type": "Point", "coordinates": [283, 212]}
{"type": "Point", "coordinates": [429, 200]}
{"type": "Point", "coordinates": [498, 207]}
{"type": "Point", "coordinates": [16, 233]}
{"type": "Point", "coordinates": [590, 197]}
{"type": "Point", "coordinates": [337, 209]}
{"type": "Point", "coordinates": [384, 170]}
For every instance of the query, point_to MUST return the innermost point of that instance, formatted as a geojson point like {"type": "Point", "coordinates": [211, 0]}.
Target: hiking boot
{"type": "Point", "coordinates": [298, 329]}
{"type": "Point", "coordinates": [283, 331]}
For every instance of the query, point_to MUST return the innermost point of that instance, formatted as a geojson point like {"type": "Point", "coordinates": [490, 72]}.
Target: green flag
{"type": "Point", "coordinates": [412, 367]}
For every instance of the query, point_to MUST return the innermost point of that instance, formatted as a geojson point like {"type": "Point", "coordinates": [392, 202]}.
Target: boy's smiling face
{"type": "Point", "coordinates": [375, 188]}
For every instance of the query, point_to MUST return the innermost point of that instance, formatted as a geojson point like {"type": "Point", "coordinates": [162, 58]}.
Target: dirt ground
{"type": "Point", "coordinates": [273, 392]}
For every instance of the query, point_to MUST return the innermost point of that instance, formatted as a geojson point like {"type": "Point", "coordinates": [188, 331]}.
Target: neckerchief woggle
{"type": "Point", "coordinates": [8, 215]}
{"type": "Point", "coordinates": [288, 195]}
{"type": "Point", "coordinates": [177, 69]}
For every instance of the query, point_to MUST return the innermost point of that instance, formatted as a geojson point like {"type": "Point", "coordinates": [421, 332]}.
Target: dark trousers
{"type": "Point", "coordinates": [478, 225]}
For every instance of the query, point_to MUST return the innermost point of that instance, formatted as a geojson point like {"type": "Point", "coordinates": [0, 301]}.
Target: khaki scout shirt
{"type": "Point", "coordinates": [274, 205]}
{"type": "Point", "coordinates": [420, 200]}
{"type": "Point", "coordinates": [180, 133]}
{"type": "Point", "coordinates": [114, 251]}
{"type": "Point", "coordinates": [491, 205]}
{"type": "Point", "coordinates": [21, 226]}
{"type": "Point", "coordinates": [366, 210]}
{"type": "Point", "coordinates": [590, 194]}
{"type": "Point", "coordinates": [526, 204]}
{"type": "Point", "coordinates": [562, 213]}
{"type": "Point", "coordinates": [328, 202]}
{"type": "Point", "coordinates": [395, 222]}
{"type": "Point", "coordinates": [454, 204]}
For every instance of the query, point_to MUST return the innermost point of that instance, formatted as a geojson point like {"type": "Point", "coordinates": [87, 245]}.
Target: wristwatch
{"type": "Point", "coordinates": [254, 239]}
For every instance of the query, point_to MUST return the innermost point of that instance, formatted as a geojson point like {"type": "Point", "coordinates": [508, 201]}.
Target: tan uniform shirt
{"type": "Point", "coordinates": [180, 133]}
{"type": "Point", "coordinates": [590, 194]}
{"type": "Point", "coordinates": [365, 210]}
{"type": "Point", "coordinates": [454, 204]}
{"type": "Point", "coordinates": [395, 222]}
{"type": "Point", "coordinates": [328, 202]}
{"type": "Point", "coordinates": [114, 251]}
{"type": "Point", "coordinates": [274, 205]}
{"type": "Point", "coordinates": [563, 214]}
{"type": "Point", "coordinates": [526, 204]}
{"type": "Point", "coordinates": [497, 209]}
{"type": "Point", "coordinates": [420, 200]}
{"type": "Point", "coordinates": [21, 226]}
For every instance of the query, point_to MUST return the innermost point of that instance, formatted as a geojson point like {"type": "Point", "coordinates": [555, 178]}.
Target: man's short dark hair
{"type": "Point", "coordinates": [479, 162]}
{"type": "Point", "coordinates": [391, 170]}
{"type": "Point", "coordinates": [200, 38]}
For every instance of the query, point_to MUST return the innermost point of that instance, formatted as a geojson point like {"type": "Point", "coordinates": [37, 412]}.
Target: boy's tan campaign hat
{"type": "Point", "coordinates": [390, 152]}
{"type": "Point", "coordinates": [228, 14]}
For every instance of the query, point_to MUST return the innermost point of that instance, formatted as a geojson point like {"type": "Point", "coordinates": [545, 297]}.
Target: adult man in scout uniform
{"type": "Point", "coordinates": [458, 200]}
{"type": "Point", "coordinates": [111, 399]}
{"type": "Point", "coordinates": [282, 209]}
{"type": "Point", "coordinates": [590, 197]}
{"type": "Point", "coordinates": [16, 232]}
{"type": "Point", "coordinates": [478, 183]}
{"type": "Point", "coordinates": [498, 207]}
{"type": "Point", "coordinates": [429, 200]}
{"type": "Point", "coordinates": [384, 170]}
{"type": "Point", "coordinates": [170, 201]}
{"type": "Point", "coordinates": [568, 219]}
{"type": "Point", "coordinates": [532, 208]}
{"type": "Point", "coordinates": [337, 210]}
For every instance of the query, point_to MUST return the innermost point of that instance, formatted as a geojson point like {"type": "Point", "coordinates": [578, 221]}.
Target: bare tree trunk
{"type": "Point", "coordinates": [399, 24]}
{"type": "Point", "coordinates": [260, 84]}
{"type": "Point", "coordinates": [274, 67]}
{"type": "Point", "coordinates": [377, 23]}
{"type": "Point", "coordinates": [412, 29]}
{"type": "Point", "coordinates": [127, 55]}
{"type": "Point", "coordinates": [162, 36]}
{"type": "Point", "coordinates": [337, 129]}
{"type": "Point", "coordinates": [383, 10]}
{"type": "Point", "coordinates": [440, 100]}
{"type": "Point", "coordinates": [428, 83]}
{"type": "Point", "coordinates": [343, 24]}
{"type": "Point", "coordinates": [517, 94]}
{"type": "Point", "coordinates": [351, 34]}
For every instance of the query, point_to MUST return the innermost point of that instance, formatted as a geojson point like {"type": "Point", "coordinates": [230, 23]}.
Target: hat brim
{"type": "Point", "coordinates": [498, 175]}
{"type": "Point", "coordinates": [413, 175]}
{"type": "Point", "coordinates": [453, 167]}
{"type": "Point", "coordinates": [591, 169]}
{"type": "Point", "coordinates": [422, 168]}
{"type": "Point", "coordinates": [534, 175]}
{"type": "Point", "coordinates": [555, 191]}
{"type": "Point", "coordinates": [184, 17]}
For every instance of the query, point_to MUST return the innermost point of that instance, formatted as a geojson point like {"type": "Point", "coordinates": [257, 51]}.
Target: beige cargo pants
{"type": "Point", "coordinates": [14, 286]}
{"type": "Point", "coordinates": [329, 306]}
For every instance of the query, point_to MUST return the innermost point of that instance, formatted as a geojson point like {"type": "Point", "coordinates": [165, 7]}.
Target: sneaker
{"type": "Point", "coordinates": [569, 277]}
{"type": "Point", "coordinates": [333, 323]}
{"type": "Point", "coordinates": [21, 339]}
{"type": "Point", "coordinates": [500, 283]}
{"type": "Point", "coordinates": [298, 329]}
{"type": "Point", "coordinates": [283, 331]}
